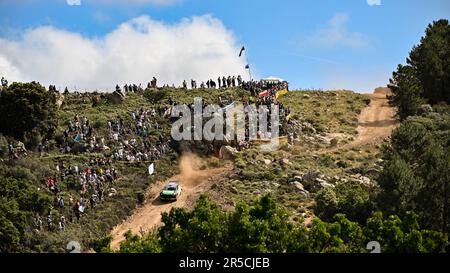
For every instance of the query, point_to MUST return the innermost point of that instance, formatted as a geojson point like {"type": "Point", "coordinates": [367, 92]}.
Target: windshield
{"type": "Point", "coordinates": [171, 188]}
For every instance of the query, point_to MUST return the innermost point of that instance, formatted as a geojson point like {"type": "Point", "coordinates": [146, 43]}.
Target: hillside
{"type": "Point", "coordinates": [336, 148]}
{"type": "Point", "coordinates": [233, 184]}
{"type": "Point", "coordinates": [249, 178]}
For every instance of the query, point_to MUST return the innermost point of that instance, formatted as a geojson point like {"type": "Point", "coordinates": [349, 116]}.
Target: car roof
{"type": "Point", "coordinates": [172, 184]}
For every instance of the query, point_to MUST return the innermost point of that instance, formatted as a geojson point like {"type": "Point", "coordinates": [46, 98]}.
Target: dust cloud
{"type": "Point", "coordinates": [190, 173]}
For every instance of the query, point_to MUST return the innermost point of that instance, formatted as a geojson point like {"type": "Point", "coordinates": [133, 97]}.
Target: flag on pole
{"type": "Point", "coordinates": [280, 93]}
{"type": "Point", "coordinates": [151, 169]}
{"type": "Point", "coordinates": [240, 53]}
{"type": "Point", "coordinates": [264, 93]}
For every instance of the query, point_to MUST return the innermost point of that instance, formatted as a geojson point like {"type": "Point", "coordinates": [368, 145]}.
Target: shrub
{"type": "Point", "coordinates": [26, 106]}
{"type": "Point", "coordinates": [141, 197]}
{"type": "Point", "coordinates": [154, 96]}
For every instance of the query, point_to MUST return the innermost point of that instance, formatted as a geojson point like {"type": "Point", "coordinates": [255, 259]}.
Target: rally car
{"type": "Point", "coordinates": [171, 192]}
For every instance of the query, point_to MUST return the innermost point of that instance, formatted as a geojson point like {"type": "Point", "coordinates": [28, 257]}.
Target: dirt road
{"type": "Point", "coordinates": [193, 180]}
{"type": "Point", "coordinates": [375, 122]}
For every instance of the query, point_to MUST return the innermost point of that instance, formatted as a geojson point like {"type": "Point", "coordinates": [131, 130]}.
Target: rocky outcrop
{"type": "Point", "coordinates": [229, 152]}
{"type": "Point", "coordinates": [116, 97]}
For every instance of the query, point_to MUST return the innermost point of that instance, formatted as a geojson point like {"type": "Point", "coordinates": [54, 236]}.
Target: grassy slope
{"type": "Point", "coordinates": [332, 112]}
{"type": "Point", "coordinates": [329, 112]}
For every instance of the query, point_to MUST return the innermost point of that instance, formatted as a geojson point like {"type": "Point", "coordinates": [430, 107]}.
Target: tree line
{"type": "Point", "coordinates": [265, 227]}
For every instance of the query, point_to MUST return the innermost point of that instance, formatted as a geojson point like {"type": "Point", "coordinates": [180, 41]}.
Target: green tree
{"type": "Point", "coordinates": [18, 202]}
{"type": "Point", "coordinates": [25, 107]}
{"type": "Point", "coordinates": [103, 244]}
{"type": "Point", "coordinates": [263, 227]}
{"type": "Point", "coordinates": [416, 175]}
{"type": "Point", "coordinates": [426, 77]}
{"type": "Point", "coordinates": [199, 231]}
{"type": "Point", "coordinates": [434, 198]}
{"type": "Point", "coordinates": [431, 62]}
{"type": "Point", "coordinates": [406, 91]}
{"type": "Point", "coordinates": [9, 235]}
{"type": "Point", "coordinates": [409, 140]}
{"type": "Point", "coordinates": [403, 236]}
{"type": "Point", "coordinates": [400, 186]}
{"type": "Point", "coordinates": [348, 198]}
{"type": "Point", "coordinates": [147, 243]}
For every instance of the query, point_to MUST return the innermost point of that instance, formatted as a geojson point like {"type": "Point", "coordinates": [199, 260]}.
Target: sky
{"type": "Point", "coordinates": [322, 44]}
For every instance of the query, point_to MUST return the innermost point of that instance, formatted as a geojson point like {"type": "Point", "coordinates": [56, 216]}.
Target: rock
{"type": "Point", "coordinates": [275, 184]}
{"type": "Point", "coordinates": [298, 178]}
{"type": "Point", "coordinates": [234, 190]}
{"type": "Point", "coordinates": [59, 100]}
{"type": "Point", "coordinates": [307, 127]}
{"type": "Point", "coordinates": [323, 184]}
{"type": "Point", "coordinates": [320, 180]}
{"type": "Point", "coordinates": [286, 161]}
{"type": "Point", "coordinates": [366, 181]}
{"type": "Point", "coordinates": [112, 192]}
{"type": "Point", "coordinates": [372, 171]}
{"type": "Point", "coordinates": [298, 185]}
{"type": "Point", "coordinates": [306, 96]}
{"type": "Point", "coordinates": [229, 152]}
{"type": "Point", "coordinates": [267, 161]}
{"type": "Point", "coordinates": [425, 109]}
{"type": "Point", "coordinates": [324, 140]}
{"type": "Point", "coordinates": [116, 97]}
{"type": "Point", "coordinates": [311, 175]}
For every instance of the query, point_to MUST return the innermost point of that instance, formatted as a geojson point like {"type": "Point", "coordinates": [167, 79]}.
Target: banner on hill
{"type": "Point", "coordinates": [228, 106]}
{"type": "Point", "coordinates": [281, 93]}
{"type": "Point", "coordinates": [151, 169]}
{"type": "Point", "coordinates": [264, 93]}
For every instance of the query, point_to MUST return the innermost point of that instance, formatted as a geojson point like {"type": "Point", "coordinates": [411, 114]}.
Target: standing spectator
{"type": "Point", "coordinates": [62, 223]}
{"type": "Point", "coordinates": [4, 82]}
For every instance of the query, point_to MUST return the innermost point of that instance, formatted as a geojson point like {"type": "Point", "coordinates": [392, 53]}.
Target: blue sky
{"type": "Point", "coordinates": [328, 44]}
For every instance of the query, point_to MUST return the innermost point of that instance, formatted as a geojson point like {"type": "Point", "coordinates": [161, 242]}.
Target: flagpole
{"type": "Point", "coordinates": [249, 72]}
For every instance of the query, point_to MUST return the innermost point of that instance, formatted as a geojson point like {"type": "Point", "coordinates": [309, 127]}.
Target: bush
{"type": "Point", "coordinates": [32, 139]}
{"type": "Point", "coordinates": [154, 96]}
{"type": "Point", "coordinates": [3, 145]}
{"type": "Point", "coordinates": [215, 162]}
{"type": "Point", "coordinates": [25, 107]}
{"type": "Point", "coordinates": [348, 198]}
{"type": "Point", "coordinates": [141, 197]}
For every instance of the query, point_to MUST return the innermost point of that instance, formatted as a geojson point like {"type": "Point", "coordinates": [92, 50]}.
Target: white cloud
{"type": "Point", "coordinates": [337, 34]}
{"type": "Point", "coordinates": [136, 2]}
{"type": "Point", "coordinates": [198, 48]}
{"type": "Point", "coordinates": [73, 2]}
{"type": "Point", "coordinates": [374, 2]}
